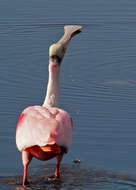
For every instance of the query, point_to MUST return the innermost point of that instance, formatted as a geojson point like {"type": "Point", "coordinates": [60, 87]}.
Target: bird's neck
{"type": "Point", "coordinates": [53, 86]}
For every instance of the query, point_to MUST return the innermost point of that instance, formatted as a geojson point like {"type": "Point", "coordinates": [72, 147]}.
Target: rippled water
{"type": "Point", "coordinates": [98, 87]}
{"type": "Point", "coordinates": [74, 177]}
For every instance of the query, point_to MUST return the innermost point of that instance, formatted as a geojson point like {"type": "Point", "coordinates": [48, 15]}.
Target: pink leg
{"type": "Point", "coordinates": [25, 182]}
{"type": "Point", "coordinates": [58, 161]}
{"type": "Point", "coordinates": [26, 159]}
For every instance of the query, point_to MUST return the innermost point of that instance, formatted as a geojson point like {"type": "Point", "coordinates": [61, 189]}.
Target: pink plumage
{"type": "Point", "coordinates": [40, 126]}
{"type": "Point", "coordinates": [45, 132]}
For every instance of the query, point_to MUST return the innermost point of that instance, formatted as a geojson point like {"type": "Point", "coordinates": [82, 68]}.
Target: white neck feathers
{"type": "Point", "coordinates": [53, 87]}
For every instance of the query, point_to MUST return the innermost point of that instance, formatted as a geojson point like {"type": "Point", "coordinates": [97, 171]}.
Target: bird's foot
{"type": "Point", "coordinates": [26, 183]}
{"type": "Point", "coordinates": [53, 178]}
{"type": "Point", "coordinates": [57, 176]}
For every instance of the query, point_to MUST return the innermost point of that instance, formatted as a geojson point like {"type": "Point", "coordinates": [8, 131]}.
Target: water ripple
{"type": "Point", "coordinates": [70, 179]}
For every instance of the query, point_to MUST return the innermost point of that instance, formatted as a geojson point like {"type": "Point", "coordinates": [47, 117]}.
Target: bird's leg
{"type": "Point", "coordinates": [25, 182]}
{"type": "Point", "coordinates": [58, 161]}
{"type": "Point", "coordinates": [26, 159]}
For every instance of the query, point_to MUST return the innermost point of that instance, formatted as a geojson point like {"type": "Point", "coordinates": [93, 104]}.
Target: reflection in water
{"type": "Point", "coordinates": [73, 177]}
{"type": "Point", "coordinates": [117, 82]}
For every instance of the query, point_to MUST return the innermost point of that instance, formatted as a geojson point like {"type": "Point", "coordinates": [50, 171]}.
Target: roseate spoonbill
{"type": "Point", "coordinates": [45, 132]}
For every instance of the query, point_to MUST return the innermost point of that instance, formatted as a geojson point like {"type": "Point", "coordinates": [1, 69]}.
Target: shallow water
{"type": "Point", "coordinates": [74, 177]}
{"type": "Point", "coordinates": [98, 84]}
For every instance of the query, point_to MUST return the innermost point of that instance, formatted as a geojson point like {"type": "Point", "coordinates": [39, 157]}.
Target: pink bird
{"type": "Point", "coordinates": [45, 132]}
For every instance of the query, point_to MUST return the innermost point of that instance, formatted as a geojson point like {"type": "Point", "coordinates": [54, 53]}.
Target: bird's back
{"type": "Point", "coordinates": [41, 126]}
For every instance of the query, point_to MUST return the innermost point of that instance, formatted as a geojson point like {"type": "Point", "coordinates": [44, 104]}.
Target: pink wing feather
{"type": "Point", "coordinates": [41, 126]}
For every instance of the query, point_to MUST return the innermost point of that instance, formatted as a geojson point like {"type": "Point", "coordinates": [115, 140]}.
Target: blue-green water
{"type": "Point", "coordinates": [98, 86]}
